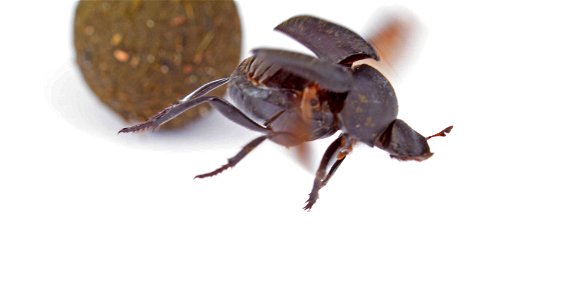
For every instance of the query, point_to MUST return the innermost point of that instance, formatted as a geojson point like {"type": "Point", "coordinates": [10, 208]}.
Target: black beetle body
{"type": "Point", "coordinates": [280, 106]}
{"type": "Point", "coordinates": [293, 98]}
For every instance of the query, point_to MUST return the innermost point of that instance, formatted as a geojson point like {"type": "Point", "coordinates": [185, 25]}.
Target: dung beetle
{"type": "Point", "coordinates": [292, 98]}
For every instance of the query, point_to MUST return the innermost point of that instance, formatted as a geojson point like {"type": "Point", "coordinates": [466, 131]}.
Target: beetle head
{"type": "Point", "coordinates": [403, 143]}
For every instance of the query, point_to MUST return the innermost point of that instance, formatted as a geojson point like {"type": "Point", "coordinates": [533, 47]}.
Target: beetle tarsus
{"type": "Point", "coordinates": [138, 128]}
{"type": "Point", "coordinates": [215, 172]}
{"type": "Point", "coordinates": [152, 124]}
{"type": "Point", "coordinates": [313, 196]}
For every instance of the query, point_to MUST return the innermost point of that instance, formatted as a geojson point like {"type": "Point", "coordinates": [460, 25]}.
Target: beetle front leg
{"type": "Point", "coordinates": [337, 150]}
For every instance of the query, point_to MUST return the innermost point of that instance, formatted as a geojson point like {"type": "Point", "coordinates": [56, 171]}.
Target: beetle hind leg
{"type": "Point", "coordinates": [165, 115]}
{"type": "Point", "coordinates": [191, 100]}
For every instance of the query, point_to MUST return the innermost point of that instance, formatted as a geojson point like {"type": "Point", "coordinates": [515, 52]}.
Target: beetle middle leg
{"type": "Point", "coordinates": [337, 150]}
{"type": "Point", "coordinates": [237, 158]}
{"type": "Point", "coordinates": [233, 161]}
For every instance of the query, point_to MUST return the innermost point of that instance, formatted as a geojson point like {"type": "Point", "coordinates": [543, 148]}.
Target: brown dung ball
{"type": "Point", "coordinates": [141, 56]}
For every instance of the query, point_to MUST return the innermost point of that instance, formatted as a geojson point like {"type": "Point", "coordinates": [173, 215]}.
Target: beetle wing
{"type": "Point", "coordinates": [328, 40]}
{"type": "Point", "coordinates": [329, 76]}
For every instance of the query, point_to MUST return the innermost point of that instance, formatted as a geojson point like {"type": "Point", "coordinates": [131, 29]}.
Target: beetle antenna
{"type": "Point", "coordinates": [441, 133]}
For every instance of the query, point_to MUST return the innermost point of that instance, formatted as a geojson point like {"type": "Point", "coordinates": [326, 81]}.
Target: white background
{"type": "Point", "coordinates": [88, 214]}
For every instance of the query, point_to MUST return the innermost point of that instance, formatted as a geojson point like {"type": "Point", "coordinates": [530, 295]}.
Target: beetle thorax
{"type": "Point", "coordinates": [370, 106]}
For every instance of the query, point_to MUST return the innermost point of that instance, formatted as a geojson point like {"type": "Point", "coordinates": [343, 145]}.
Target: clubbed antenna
{"type": "Point", "coordinates": [441, 133]}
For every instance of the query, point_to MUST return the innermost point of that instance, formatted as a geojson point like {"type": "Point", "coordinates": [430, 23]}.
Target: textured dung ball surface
{"type": "Point", "coordinates": [141, 56]}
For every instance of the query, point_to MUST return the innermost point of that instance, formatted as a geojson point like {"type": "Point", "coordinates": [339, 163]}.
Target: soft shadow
{"type": "Point", "coordinates": [71, 98]}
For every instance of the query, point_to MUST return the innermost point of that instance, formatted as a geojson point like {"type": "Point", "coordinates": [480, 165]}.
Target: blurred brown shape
{"type": "Point", "coordinates": [393, 38]}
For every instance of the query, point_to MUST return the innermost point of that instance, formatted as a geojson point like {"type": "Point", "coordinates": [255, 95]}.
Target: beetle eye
{"type": "Point", "coordinates": [404, 143]}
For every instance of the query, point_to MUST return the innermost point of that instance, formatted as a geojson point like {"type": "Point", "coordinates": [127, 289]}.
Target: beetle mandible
{"type": "Point", "coordinates": [293, 98]}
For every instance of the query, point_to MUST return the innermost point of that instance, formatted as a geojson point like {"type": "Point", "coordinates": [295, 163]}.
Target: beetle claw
{"type": "Point", "coordinates": [311, 201]}
{"type": "Point", "coordinates": [149, 125]}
